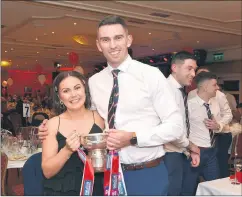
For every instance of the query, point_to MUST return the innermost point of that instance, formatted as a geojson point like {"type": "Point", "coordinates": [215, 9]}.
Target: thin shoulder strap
{"type": "Point", "coordinates": [93, 116]}
{"type": "Point", "coordinates": [58, 124]}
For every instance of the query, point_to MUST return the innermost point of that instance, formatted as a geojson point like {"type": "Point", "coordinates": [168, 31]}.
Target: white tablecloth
{"type": "Point", "coordinates": [218, 187]}
{"type": "Point", "coordinates": [20, 164]}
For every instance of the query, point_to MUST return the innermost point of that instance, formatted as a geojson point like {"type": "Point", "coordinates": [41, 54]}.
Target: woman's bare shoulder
{"type": "Point", "coordinates": [53, 124]}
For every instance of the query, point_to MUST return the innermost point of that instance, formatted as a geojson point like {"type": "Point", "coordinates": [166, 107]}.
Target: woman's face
{"type": "Point", "coordinates": [72, 93]}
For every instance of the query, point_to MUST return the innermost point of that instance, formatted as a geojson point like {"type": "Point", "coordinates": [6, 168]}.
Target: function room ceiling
{"type": "Point", "coordinates": [42, 32]}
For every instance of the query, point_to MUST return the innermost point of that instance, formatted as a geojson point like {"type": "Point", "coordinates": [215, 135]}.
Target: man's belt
{"type": "Point", "coordinates": [139, 166]}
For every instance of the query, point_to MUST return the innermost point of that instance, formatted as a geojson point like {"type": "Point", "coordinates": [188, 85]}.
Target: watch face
{"type": "Point", "coordinates": [133, 141]}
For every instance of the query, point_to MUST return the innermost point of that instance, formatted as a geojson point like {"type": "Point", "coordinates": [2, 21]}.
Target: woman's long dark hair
{"type": "Point", "coordinates": [56, 83]}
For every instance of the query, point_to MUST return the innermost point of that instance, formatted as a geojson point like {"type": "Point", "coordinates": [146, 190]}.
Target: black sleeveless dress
{"type": "Point", "coordinates": [67, 182]}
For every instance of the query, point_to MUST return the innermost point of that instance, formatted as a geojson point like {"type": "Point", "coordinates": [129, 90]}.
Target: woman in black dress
{"type": "Point", "coordinates": [62, 168]}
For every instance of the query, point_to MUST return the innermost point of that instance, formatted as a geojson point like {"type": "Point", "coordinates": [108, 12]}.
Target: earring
{"type": "Point", "coordinates": [62, 104]}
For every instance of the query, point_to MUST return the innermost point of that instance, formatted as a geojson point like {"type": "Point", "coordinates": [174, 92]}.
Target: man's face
{"type": "Point", "coordinates": [113, 41]}
{"type": "Point", "coordinates": [185, 71]}
{"type": "Point", "coordinates": [211, 87]}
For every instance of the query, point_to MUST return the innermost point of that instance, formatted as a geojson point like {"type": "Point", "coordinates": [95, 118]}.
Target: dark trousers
{"type": "Point", "coordinates": [223, 143]}
{"type": "Point", "coordinates": [174, 164]}
{"type": "Point", "coordinates": [147, 181]}
{"type": "Point", "coordinates": [208, 168]}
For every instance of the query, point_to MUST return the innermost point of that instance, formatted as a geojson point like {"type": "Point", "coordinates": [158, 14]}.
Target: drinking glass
{"type": "Point", "coordinates": [238, 168]}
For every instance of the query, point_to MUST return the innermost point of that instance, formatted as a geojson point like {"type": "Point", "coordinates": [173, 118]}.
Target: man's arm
{"type": "Point", "coordinates": [171, 126]}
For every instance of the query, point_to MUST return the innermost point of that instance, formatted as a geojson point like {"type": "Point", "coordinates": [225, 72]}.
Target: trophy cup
{"type": "Point", "coordinates": [96, 146]}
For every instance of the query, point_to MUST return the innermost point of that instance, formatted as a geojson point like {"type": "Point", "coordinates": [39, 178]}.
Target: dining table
{"type": "Point", "coordinates": [219, 187]}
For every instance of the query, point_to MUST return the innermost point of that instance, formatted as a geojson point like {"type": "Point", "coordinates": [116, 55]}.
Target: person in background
{"type": "Point", "coordinates": [183, 67]}
{"type": "Point", "coordinates": [202, 116]}
{"type": "Point", "coordinates": [225, 139]}
{"type": "Point", "coordinates": [224, 118]}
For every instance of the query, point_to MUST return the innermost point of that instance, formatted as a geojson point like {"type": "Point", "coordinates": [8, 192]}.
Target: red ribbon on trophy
{"type": "Point", "coordinates": [88, 175]}
{"type": "Point", "coordinates": [113, 176]}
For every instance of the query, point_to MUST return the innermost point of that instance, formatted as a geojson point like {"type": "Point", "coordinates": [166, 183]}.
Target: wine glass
{"type": "Point", "coordinates": [238, 168]}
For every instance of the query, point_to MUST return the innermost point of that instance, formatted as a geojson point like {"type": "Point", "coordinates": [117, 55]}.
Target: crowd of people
{"type": "Point", "coordinates": [164, 138]}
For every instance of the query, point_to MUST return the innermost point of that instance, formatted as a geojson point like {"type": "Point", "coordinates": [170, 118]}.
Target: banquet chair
{"type": "Point", "coordinates": [16, 120]}
{"type": "Point", "coordinates": [38, 117]}
{"type": "Point", "coordinates": [33, 176]}
{"type": "Point", "coordinates": [4, 164]}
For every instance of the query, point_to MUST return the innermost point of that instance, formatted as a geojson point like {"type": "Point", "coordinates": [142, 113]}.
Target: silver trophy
{"type": "Point", "coordinates": [96, 147]}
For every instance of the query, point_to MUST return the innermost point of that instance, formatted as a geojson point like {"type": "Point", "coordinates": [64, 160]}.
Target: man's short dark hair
{"type": "Point", "coordinates": [181, 56]}
{"type": "Point", "coordinates": [112, 20]}
{"type": "Point", "coordinates": [204, 76]}
{"type": "Point", "coordinates": [59, 78]}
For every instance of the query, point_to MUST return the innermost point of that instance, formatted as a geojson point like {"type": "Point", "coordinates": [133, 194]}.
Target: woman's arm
{"type": "Point", "coordinates": [52, 160]}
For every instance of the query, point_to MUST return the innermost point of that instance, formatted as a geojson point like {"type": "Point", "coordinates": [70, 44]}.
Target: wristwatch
{"type": "Point", "coordinates": [133, 140]}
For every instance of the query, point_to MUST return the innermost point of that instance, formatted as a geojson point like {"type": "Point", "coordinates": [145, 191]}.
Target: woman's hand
{"type": "Point", "coordinates": [73, 142]}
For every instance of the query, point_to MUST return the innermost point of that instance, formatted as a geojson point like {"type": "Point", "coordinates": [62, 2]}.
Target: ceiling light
{"type": "Point", "coordinates": [53, 32]}
{"type": "Point", "coordinates": [67, 53]}
{"type": "Point", "coordinates": [37, 52]}
{"type": "Point", "coordinates": [153, 49]}
{"type": "Point", "coordinates": [11, 49]}
{"type": "Point", "coordinates": [5, 63]}
{"type": "Point", "coordinates": [198, 41]}
{"type": "Point", "coordinates": [45, 34]}
{"type": "Point", "coordinates": [6, 51]}
{"type": "Point", "coordinates": [36, 38]}
{"type": "Point", "coordinates": [36, 60]}
{"type": "Point", "coordinates": [74, 23]}
{"type": "Point", "coordinates": [59, 55]}
{"type": "Point", "coordinates": [80, 39]}
{"type": "Point", "coordinates": [149, 33]}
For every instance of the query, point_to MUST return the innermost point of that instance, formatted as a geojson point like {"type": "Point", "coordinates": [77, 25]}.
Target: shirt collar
{"type": "Point", "coordinates": [175, 82]}
{"type": "Point", "coordinates": [200, 101]}
{"type": "Point", "coordinates": [123, 66]}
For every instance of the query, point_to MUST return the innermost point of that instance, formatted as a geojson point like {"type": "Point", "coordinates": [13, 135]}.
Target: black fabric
{"type": "Point", "coordinates": [67, 182]}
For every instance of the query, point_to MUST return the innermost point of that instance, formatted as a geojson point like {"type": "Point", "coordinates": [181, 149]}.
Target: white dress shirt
{"type": "Point", "coordinates": [225, 116]}
{"type": "Point", "coordinates": [146, 106]}
{"type": "Point", "coordinates": [178, 145]}
{"type": "Point", "coordinates": [199, 134]}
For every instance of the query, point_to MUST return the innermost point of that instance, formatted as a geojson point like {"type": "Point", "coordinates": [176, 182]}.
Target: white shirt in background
{"type": "Point", "coordinates": [225, 116]}
{"type": "Point", "coordinates": [178, 145]}
{"type": "Point", "coordinates": [146, 106]}
{"type": "Point", "coordinates": [199, 134]}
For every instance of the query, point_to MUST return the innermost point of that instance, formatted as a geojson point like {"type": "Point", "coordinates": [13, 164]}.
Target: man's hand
{"type": "Point", "coordinates": [195, 159]}
{"type": "Point", "coordinates": [193, 148]}
{"type": "Point", "coordinates": [42, 130]}
{"type": "Point", "coordinates": [118, 139]}
{"type": "Point", "coordinates": [211, 124]}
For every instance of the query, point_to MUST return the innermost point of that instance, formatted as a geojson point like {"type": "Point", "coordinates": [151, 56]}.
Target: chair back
{"type": "Point", "coordinates": [16, 120]}
{"type": "Point", "coordinates": [38, 117]}
{"type": "Point", "coordinates": [4, 164]}
{"type": "Point", "coordinates": [33, 176]}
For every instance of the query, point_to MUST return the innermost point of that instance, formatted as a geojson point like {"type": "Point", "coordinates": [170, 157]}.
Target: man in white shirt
{"type": "Point", "coordinates": [224, 117]}
{"type": "Point", "coordinates": [202, 116]}
{"type": "Point", "coordinates": [146, 117]}
{"type": "Point", "coordinates": [183, 67]}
